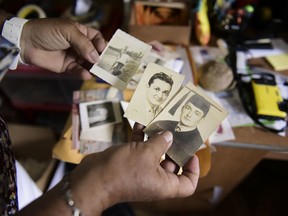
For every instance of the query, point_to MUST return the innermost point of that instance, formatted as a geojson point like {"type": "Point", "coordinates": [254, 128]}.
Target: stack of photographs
{"type": "Point", "coordinates": [96, 121]}
{"type": "Point", "coordinates": [161, 103]}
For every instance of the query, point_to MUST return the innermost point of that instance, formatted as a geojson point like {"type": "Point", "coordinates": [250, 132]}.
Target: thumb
{"type": "Point", "coordinates": [160, 143]}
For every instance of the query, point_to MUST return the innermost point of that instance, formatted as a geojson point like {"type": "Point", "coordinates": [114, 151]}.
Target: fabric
{"type": "Point", "coordinates": [8, 189]}
{"type": "Point", "coordinates": [26, 187]}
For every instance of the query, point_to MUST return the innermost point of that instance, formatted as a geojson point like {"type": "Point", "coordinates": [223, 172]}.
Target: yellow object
{"type": "Point", "coordinates": [29, 9]}
{"type": "Point", "coordinates": [278, 62]}
{"type": "Point", "coordinates": [267, 97]}
{"type": "Point", "coordinates": [202, 25]}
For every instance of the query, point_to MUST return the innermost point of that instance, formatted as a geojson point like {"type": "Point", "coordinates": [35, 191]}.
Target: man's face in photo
{"type": "Point", "coordinates": [190, 115]}
{"type": "Point", "coordinates": [158, 92]}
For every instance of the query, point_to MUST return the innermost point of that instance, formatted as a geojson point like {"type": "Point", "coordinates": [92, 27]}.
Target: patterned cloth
{"type": "Point", "coordinates": [8, 189]}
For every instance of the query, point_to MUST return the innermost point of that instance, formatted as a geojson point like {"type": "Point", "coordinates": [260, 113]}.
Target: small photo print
{"type": "Point", "coordinates": [156, 87]}
{"type": "Point", "coordinates": [192, 117]}
{"type": "Point", "coordinates": [99, 113]}
{"type": "Point", "coordinates": [120, 59]}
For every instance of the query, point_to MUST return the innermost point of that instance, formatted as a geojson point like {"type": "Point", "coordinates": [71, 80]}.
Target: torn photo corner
{"type": "Point", "coordinates": [191, 116]}
{"type": "Point", "coordinates": [120, 59]}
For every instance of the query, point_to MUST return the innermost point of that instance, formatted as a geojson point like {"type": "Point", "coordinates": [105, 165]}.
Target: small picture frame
{"type": "Point", "coordinates": [192, 117]}
{"type": "Point", "coordinates": [120, 59]}
{"type": "Point", "coordinates": [98, 113]}
{"type": "Point", "coordinates": [155, 89]}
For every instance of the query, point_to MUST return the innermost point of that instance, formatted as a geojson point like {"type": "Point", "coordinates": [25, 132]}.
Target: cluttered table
{"type": "Point", "coordinates": [231, 153]}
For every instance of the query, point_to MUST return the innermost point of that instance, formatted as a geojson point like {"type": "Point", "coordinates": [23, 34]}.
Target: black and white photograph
{"type": "Point", "coordinates": [156, 87]}
{"type": "Point", "coordinates": [192, 117]}
{"type": "Point", "coordinates": [120, 59]}
{"type": "Point", "coordinates": [98, 113]}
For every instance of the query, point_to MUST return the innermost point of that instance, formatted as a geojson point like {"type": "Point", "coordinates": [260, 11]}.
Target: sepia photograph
{"type": "Point", "coordinates": [98, 113]}
{"type": "Point", "coordinates": [192, 117]}
{"type": "Point", "coordinates": [81, 96]}
{"type": "Point", "coordinates": [156, 87]}
{"type": "Point", "coordinates": [120, 59]}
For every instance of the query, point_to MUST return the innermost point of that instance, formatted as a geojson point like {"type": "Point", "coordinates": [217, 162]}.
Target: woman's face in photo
{"type": "Point", "coordinates": [190, 115]}
{"type": "Point", "coordinates": [158, 92]}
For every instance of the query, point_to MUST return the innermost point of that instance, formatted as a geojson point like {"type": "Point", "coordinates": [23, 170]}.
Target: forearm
{"type": "Point", "coordinates": [54, 202]}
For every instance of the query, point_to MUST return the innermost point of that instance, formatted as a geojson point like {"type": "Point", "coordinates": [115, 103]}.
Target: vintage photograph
{"type": "Point", "coordinates": [120, 59]}
{"type": "Point", "coordinates": [81, 96]}
{"type": "Point", "coordinates": [192, 117]}
{"type": "Point", "coordinates": [160, 54]}
{"type": "Point", "coordinates": [156, 87]}
{"type": "Point", "coordinates": [99, 113]}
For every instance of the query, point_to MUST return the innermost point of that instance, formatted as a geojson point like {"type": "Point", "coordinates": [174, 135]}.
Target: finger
{"type": "Point", "coordinates": [137, 133]}
{"type": "Point", "coordinates": [95, 36]}
{"type": "Point", "coordinates": [75, 69]}
{"type": "Point", "coordinates": [189, 178]}
{"type": "Point", "coordinates": [169, 166]}
{"type": "Point", "coordinates": [99, 42]}
{"type": "Point", "coordinates": [159, 143]}
{"type": "Point", "coordinates": [84, 46]}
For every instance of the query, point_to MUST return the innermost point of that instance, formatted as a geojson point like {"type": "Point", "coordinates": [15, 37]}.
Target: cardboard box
{"type": "Point", "coordinates": [168, 34]}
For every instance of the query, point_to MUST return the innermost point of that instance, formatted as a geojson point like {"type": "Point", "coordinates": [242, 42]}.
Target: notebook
{"type": "Point", "coordinates": [278, 62]}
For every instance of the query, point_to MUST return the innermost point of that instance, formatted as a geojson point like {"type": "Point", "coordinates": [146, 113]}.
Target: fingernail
{"type": "Point", "coordinates": [168, 136]}
{"type": "Point", "coordinates": [94, 56]}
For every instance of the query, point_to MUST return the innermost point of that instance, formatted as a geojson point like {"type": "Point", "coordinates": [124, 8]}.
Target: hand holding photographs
{"type": "Point", "coordinates": [189, 114]}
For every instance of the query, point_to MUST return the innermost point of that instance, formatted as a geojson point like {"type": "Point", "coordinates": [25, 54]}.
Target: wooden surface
{"type": "Point", "coordinates": [257, 138]}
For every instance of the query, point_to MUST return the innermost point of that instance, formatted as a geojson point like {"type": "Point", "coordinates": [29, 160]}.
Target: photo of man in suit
{"type": "Point", "coordinates": [186, 136]}
{"type": "Point", "coordinates": [158, 89]}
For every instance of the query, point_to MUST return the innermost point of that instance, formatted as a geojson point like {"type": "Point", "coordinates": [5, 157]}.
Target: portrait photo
{"type": "Point", "coordinates": [192, 117]}
{"type": "Point", "coordinates": [156, 87]}
{"type": "Point", "coordinates": [120, 59]}
{"type": "Point", "coordinates": [98, 113]}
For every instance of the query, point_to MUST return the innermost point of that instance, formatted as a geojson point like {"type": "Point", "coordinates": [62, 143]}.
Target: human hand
{"type": "Point", "coordinates": [60, 45]}
{"type": "Point", "coordinates": [131, 172]}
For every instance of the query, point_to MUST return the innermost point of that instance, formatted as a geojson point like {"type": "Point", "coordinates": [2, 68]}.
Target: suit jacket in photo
{"type": "Point", "coordinates": [185, 143]}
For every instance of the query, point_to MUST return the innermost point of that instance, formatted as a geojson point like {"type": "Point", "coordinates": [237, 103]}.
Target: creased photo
{"type": "Point", "coordinates": [120, 59]}
{"type": "Point", "coordinates": [192, 117]}
{"type": "Point", "coordinates": [156, 87]}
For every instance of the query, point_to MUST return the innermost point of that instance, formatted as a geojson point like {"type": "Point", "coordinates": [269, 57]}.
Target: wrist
{"type": "Point", "coordinates": [11, 31]}
{"type": "Point", "coordinates": [90, 196]}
